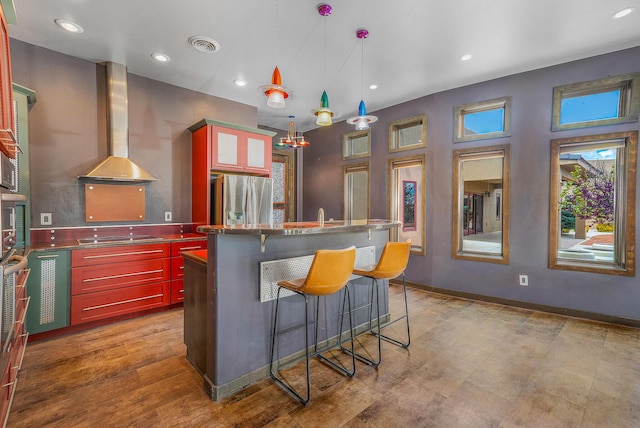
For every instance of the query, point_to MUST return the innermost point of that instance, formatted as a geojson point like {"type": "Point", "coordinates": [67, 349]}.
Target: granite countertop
{"type": "Point", "coordinates": [299, 228]}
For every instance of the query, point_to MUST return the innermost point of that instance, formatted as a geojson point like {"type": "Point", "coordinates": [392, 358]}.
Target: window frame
{"type": "Point", "coordinates": [350, 168]}
{"type": "Point", "coordinates": [347, 142]}
{"type": "Point", "coordinates": [629, 108]}
{"type": "Point", "coordinates": [462, 110]}
{"type": "Point", "coordinates": [458, 184]}
{"type": "Point", "coordinates": [393, 200]}
{"type": "Point", "coordinates": [396, 125]}
{"type": "Point", "coordinates": [625, 265]}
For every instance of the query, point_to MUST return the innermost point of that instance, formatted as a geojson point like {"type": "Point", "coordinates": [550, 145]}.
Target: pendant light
{"type": "Point", "coordinates": [323, 113]}
{"type": "Point", "coordinates": [292, 140]}
{"type": "Point", "coordinates": [275, 92]}
{"type": "Point", "coordinates": [362, 120]}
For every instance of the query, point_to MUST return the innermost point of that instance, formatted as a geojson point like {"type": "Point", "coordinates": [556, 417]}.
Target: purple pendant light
{"type": "Point", "coordinates": [362, 120]}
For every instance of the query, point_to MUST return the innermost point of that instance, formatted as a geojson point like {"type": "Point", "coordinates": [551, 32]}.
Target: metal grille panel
{"type": "Point", "coordinates": [298, 267]}
{"type": "Point", "coordinates": [48, 292]}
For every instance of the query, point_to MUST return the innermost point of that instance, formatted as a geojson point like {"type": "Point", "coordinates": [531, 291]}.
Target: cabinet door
{"type": "Point", "coordinates": [7, 143]}
{"type": "Point", "coordinates": [48, 287]}
{"type": "Point", "coordinates": [226, 149]}
{"type": "Point", "coordinates": [258, 154]}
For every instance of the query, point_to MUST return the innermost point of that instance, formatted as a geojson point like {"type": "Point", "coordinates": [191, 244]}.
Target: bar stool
{"type": "Point", "coordinates": [392, 264]}
{"type": "Point", "coordinates": [329, 274]}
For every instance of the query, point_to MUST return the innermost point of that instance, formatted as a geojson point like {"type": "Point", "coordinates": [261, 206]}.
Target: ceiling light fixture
{"type": "Point", "coordinates": [160, 57]}
{"type": "Point", "coordinates": [240, 82]}
{"type": "Point", "coordinates": [323, 113]}
{"type": "Point", "coordinates": [622, 13]}
{"type": "Point", "coordinates": [292, 140]}
{"type": "Point", "coordinates": [466, 57]}
{"type": "Point", "coordinates": [275, 92]}
{"type": "Point", "coordinates": [69, 26]}
{"type": "Point", "coordinates": [373, 86]}
{"type": "Point", "coordinates": [362, 120]}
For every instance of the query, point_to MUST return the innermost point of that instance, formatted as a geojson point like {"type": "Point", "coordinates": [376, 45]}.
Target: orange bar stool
{"type": "Point", "coordinates": [392, 264]}
{"type": "Point", "coordinates": [329, 274]}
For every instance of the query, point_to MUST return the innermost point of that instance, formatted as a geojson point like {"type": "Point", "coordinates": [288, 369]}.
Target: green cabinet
{"type": "Point", "coordinates": [49, 288]}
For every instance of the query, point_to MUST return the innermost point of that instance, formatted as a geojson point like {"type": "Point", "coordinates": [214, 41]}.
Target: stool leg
{"type": "Point", "coordinates": [273, 374]}
{"type": "Point", "coordinates": [366, 360]}
{"type": "Point", "coordinates": [405, 317]}
{"type": "Point", "coordinates": [350, 373]}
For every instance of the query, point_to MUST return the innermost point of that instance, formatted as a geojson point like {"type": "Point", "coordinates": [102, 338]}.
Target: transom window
{"type": "Point", "coordinates": [483, 120]}
{"type": "Point", "coordinates": [595, 103]}
{"type": "Point", "coordinates": [592, 203]}
{"type": "Point", "coordinates": [356, 144]}
{"type": "Point", "coordinates": [408, 134]}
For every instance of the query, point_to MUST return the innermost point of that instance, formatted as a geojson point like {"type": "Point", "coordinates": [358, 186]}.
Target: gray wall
{"type": "Point", "coordinates": [67, 129]}
{"type": "Point", "coordinates": [531, 93]}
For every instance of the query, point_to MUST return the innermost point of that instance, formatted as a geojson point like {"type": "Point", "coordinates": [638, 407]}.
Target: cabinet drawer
{"type": "Point", "coordinates": [124, 253]}
{"type": "Point", "coordinates": [177, 267]}
{"type": "Point", "coordinates": [89, 279]}
{"type": "Point", "coordinates": [178, 246]}
{"type": "Point", "coordinates": [106, 304]}
{"type": "Point", "coordinates": [177, 291]}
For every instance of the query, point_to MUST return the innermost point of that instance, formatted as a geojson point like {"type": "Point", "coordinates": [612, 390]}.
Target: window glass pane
{"type": "Point", "coordinates": [356, 192]}
{"type": "Point", "coordinates": [406, 201]}
{"type": "Point", "coordinates": [484, 122]}
{"type": "Point", "coordinates": [409, 136]}
{"type": "Point", "coordinates": [600, 106]}
{"type": "Point", "coordinates": [355, 144]}
{"type": "Point", "coordinates": [588, 183]}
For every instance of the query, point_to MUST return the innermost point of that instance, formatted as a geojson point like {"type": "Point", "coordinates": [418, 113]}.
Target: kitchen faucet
{"type": "Point", "coordinates": [321, 217]}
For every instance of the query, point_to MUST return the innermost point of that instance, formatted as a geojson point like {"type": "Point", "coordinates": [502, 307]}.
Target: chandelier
{"type": "Point", "coordinates": [292, 140]}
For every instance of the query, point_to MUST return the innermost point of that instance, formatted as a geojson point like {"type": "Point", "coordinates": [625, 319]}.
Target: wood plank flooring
{"type": "Point", "coordinates": [470, 364]}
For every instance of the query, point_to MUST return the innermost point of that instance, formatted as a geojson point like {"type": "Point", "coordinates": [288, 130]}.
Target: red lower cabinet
{"type": "Point", "coordinates": [110, 281]}
{"type": "Point", "coordinates": [177, 266]}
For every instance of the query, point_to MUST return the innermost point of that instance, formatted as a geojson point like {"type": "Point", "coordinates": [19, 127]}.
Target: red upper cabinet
{"type": "Point", "coordinates": [7, 133]}
{"type": "Point", "coordinates": [233, 148]}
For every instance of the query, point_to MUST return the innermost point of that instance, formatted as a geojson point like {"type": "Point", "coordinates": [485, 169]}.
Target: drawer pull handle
{"type": "Point", "coordinates": [195, 247]}
{"type": "Point", "coordinates": [122, 302]}
{"type": "Point", "coordinates": [124, 275]}
{"type": "Point", "coordinates": [51, 256]}
{"type": "Point", "coordinates": [131, 253]}
{"type": "Point", "coordinates": [181, 267]}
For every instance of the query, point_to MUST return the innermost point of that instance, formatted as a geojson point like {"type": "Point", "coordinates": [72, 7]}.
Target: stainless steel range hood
{"type": "Point", "coordinates": [118, 166]}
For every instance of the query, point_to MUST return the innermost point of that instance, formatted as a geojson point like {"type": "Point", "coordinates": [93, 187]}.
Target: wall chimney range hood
{"type": "Point", "coordinates": [117, 166]}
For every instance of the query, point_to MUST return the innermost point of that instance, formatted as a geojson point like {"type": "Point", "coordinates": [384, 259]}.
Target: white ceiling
{"type": "Point", "coordinates": [413, 49]}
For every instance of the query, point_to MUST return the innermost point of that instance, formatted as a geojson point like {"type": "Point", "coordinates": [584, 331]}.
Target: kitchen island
{"type": "Point", "coordinates": [229, 300]}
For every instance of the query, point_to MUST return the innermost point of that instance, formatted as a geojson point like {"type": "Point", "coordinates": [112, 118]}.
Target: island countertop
{"type": "Point", "coordinates": [300, 228]}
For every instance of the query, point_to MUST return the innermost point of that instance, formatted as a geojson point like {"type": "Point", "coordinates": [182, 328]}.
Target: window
{"type": "Point", "coordinates": [593, 202]}
{"type": "Point", "coordinates": [595, 103]}
{"type": "Point", "coordinates": [356, 144]}
{"type": "Point", "coordinates": [408, 134]}
{"type": "Point", "coordinates": [482, 120]}
{"type": "Point", "coordinates": [356, 191]}
{"type": "Point", "coordinates": [407, 200]}
{"type": "Point", "coordinates": [481, 204]}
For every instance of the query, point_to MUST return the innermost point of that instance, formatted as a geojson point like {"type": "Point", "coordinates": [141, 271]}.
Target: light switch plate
{"type": "Point", "coordinates": [45, 219]}
{"type": "Point", "coordinates": [167, 216]}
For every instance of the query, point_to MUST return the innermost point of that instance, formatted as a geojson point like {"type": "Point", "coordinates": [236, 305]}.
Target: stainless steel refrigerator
{"type": "Point", "coordinates": [242, 199]}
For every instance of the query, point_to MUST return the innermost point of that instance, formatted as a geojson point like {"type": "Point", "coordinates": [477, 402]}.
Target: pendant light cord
{"type": "Point", "coordinates": [362, 71]}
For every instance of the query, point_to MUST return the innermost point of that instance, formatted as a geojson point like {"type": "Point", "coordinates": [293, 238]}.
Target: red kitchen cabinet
{"type": "Point", "coordinates": [112, 281]}
{"type": "Point", "coordinates": [177, 266]}
{"type": "Point", "coordinates": [8, 143]}
{"type": "Point", "coordinates": [219, 147]}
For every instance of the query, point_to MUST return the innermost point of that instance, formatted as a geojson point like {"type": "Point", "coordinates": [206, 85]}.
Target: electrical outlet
{"type": "Point", "coordinates": [45, 219]}
{"type": "Point", "coordinates": [167, 216]}
{"type": "Point", "coordinates": [524, 280]}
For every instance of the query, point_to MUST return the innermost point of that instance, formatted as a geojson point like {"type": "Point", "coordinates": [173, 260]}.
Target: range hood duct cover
{"type": "Point", "coordinates": [118, 166]}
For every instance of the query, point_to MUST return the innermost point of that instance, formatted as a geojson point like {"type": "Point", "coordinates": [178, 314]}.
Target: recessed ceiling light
{"type": "Point", "coordinates": [373, 86]}
{"type": "Point", "coordinates": [71, 27]}
{"type": "Point", "coordinates": [621, 13]}
{"type": "Point", "coordinates": [240, 82]}
{"type": "Point", "coordinates": [466, 57]}
{"type": "Point", "coordinates": [160, 57]}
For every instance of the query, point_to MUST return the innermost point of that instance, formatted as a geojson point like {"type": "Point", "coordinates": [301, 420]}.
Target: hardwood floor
{"type": "Point", "coordinates": [470, 364]}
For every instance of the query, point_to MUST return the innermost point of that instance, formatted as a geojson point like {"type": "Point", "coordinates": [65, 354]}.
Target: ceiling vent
{"type": "Point", "coordinates": [204, 44]}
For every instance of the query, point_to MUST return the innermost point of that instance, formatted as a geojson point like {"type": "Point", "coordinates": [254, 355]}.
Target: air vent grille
{"type": "Point", "coordinates": [204, 44]}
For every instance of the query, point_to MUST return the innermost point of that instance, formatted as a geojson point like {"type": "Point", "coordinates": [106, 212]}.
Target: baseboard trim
{"type": "Point", "coordinates": [526, 305]}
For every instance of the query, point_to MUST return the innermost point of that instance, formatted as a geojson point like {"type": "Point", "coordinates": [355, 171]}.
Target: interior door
{"type": "Point", "coordinates": [283, 173]}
